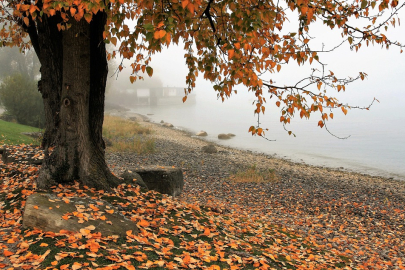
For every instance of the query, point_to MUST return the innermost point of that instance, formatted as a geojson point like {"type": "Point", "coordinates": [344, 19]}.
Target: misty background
{"type": "Point", "coordinates": [376, 144]}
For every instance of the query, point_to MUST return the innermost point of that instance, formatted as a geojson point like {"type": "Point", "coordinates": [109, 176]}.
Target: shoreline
{"type": "Point", "coordinates": [291, 162]}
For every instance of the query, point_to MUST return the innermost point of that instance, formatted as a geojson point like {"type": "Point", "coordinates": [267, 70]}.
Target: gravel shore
{"type": "Point", "coordinates": [362, 216]}
{"type": "Point", "coordinates": [207, 174]}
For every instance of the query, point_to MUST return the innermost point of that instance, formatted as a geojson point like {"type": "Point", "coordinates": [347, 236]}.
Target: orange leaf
{"type": "Point", "coordinates": [73, 11]}
{"type": "Point", "coordinates": [7, 253]}
{"type": "Point", "coordinates": [190, 7]}
{"type": "Point", "coordinates": [184, 3]}
{"type": "Point", "coordinates": [32, 9]}
{"type": "Point", "coordinates": [143, 223]}
{"type": "Point", "coordinates": [26, 21]}
{"type": "Point", "coordinates": [230, 54]}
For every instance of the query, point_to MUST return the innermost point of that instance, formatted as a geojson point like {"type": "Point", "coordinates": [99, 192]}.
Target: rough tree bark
{"type": "Point", "coordinates": [73, 79]}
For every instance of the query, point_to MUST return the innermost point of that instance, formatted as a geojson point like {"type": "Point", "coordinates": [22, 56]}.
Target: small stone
{"type": "Point", "coordinates": [167, 125]}
{"type": "Point", "coordinates": [162, 121]}
{"type": "Point", "coordinates": [209, 149]}
{"type": "Point", "coordinates": [231, 135]}
{"type": "Point", "coordinates": [202, 133]}
{"type": "Point", "coordinates": [223, 136]}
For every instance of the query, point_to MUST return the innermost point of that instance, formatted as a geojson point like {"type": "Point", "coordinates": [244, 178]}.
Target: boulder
{"type": "Point", "coordinates": [209, 149]}
{"type": "Point", "coordinates": [167, 125]}
{"type": "Point", "coordinates": [202, 133]}
{"type": "Point", "coordinates": [223, 136]}
{"type": "Point", "coordinates": [48, 212]}
{"type": "Point", "coordinates": [162, 121]}
{"type": "Point", "coordinates": [166, 180]}
{"type": "Point", "coordinates": [231, 135]}
{"type": "Point", "coordinates": [131, 177]}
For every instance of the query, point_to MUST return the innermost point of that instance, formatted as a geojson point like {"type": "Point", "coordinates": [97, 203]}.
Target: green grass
{"type": "Point", "coordinates": [10, 133]}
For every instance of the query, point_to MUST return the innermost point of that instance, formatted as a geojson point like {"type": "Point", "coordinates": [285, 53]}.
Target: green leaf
{"type": "Point", "coordinates": [364, 4]}
{"type": "Point", "coordinates": [149, 27]}
{"type": "Point", "coordinates": [149, 70]}
{"type": "Point", "coordinates": [149, 36]}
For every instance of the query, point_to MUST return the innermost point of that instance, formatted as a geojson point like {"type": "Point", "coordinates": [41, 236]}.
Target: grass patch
{"type": "Point", "coordinates": [255, 175]}
{"type": "Point", "coordinates": [126, 135]}
{"type": "Point", "coordinates": [10, 133]}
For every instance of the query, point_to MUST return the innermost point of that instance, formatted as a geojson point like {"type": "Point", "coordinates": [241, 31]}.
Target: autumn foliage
{"type": "Point", "coordinates": [229, 42]}
{"type": "Point", "coordinates": [340, 233]}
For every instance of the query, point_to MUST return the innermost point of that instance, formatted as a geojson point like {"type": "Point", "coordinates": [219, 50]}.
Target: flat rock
{"type": "Point", "coordinates": [163, 179]}
{"type": "Point", "coordinates": [201, 133]}
{"type": "Point", "coordinates": [45, 211]}
{"type": "Point", "coordinates": [209, 149]}
{"type": "Point", "coordinates": [223, 136]}
{"type": "Point", "coordinates": [35, 135]}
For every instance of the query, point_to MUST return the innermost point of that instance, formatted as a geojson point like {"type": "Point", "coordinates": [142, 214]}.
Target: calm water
{"type": "Point", "coordinates": [376, 146]}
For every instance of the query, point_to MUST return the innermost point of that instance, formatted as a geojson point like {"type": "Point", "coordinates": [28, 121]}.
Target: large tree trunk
{"type": "Point", "coordinates": [73, 79]}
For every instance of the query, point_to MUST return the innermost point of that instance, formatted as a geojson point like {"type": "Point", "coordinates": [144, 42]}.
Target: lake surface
{"type": "Point", "coordinates": [375, 146]}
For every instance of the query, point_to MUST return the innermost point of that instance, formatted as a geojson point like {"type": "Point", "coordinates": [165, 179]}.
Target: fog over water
{"type": "Point", "coordinates": [377, 137]}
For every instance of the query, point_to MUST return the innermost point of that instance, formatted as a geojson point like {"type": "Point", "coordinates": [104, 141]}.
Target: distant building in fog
{"type": "Point", "coordinates": [155, 96]}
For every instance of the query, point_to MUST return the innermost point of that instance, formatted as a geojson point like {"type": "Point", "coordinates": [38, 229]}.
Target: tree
{"type": "Point", "coordinates": [21, 100]}
{"type": "Point", "coordinates": [230, 42]}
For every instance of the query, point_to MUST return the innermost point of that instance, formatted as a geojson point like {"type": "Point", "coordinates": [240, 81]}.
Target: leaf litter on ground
{"type": "Point", "coordinates": [173, 234]}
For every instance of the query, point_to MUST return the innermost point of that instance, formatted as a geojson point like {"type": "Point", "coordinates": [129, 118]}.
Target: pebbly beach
{"type": "Point", "coordinates": [360, 215]}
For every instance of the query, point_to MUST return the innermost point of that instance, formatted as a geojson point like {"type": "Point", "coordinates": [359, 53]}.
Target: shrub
{"type": "Point", "coordinates": [21, 99]}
